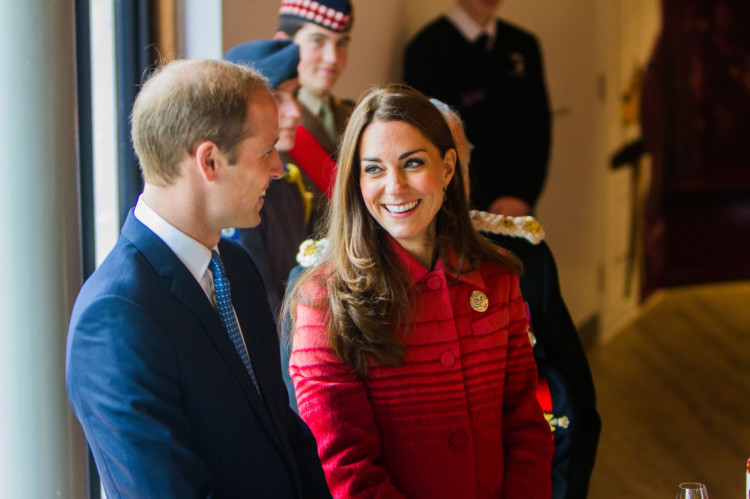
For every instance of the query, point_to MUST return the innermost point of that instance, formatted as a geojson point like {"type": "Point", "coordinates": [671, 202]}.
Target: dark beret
{"type": "Point", "coordinates": [276, 59]}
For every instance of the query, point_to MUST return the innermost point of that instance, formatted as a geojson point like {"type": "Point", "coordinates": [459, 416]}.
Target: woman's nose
{"type": "Point", "coordinates": [396, 182]}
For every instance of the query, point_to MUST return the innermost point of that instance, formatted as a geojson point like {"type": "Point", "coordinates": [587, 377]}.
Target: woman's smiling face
{"type": "Point", "coordinates": [402, 177]}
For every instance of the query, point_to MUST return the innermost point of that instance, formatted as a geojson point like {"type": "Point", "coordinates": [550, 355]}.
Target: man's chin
{"type": "Point", "coordinates": [285, 143]}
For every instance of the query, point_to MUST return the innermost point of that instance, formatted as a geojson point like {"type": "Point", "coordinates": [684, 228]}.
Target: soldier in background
{"type": "Point", "coordinates": [322, 31]}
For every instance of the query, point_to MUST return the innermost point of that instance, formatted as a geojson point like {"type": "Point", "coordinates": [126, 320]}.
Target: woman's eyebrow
{"type": "Point", "coordinates": [407, 154]}
{"type": "Point", "coordinates": [402, 156]}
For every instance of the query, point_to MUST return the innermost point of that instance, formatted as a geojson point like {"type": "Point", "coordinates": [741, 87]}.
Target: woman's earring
{"type": "Point", "coordinates": [445, 196]}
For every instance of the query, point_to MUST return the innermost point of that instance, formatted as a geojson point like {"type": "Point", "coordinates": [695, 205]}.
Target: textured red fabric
{"type": "Point", "coordinates": [459, 418]}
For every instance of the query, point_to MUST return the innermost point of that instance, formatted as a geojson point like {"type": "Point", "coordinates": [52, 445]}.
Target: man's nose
{"type": "Point", "coordinates": [277, 169]}
{"type": "Point", "coordinates": [330, 54]}
{"type": "Point", "coordinates": [292, 109]}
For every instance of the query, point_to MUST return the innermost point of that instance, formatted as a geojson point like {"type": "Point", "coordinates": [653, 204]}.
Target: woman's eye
{"type": "Point", "coordinates": [371, 169]}
{"type": "Point", "coordinates": [413, 163]}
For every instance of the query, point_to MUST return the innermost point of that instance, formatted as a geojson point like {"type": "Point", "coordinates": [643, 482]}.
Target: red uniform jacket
{"type": "Point", "coordinates": [459, 418]}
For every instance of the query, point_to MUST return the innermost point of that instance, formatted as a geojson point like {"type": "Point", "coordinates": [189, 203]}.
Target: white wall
{"type": "Point", "coordinates": [628, 32]}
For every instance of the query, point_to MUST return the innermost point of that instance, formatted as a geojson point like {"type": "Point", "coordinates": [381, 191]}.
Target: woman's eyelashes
{"type": "Point", "coordinates": [372, 169]}
{"type": "Point", "coordinates": [413, 163]}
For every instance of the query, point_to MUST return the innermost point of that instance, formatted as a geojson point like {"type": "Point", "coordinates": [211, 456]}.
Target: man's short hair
{"type": "Point", "coordinates": [336, 15]}
{"type": "Point", "coordinates": [187, 102]}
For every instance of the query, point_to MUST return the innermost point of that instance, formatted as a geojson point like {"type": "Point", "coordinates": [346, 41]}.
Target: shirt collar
{"type": "Point", "coordinates": [312, 102]}
{"type": "Point", "coordinates": [468, 27]}
{"type": "Point", "coordinates": [191, 253]}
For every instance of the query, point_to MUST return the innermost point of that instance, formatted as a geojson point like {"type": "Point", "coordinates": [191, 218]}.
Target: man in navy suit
{"type": "Point", "coordinates": [171, 405]}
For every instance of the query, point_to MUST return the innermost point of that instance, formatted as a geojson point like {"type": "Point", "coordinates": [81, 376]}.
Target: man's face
{"type": "Point", "coordinates": [323, 55]}
{"type": "Point", "coordinates": [289, 113]}
{"type": "Point", "coordinates": [244, 183]}
{"type": "Point", "coordinates": [481, 11]}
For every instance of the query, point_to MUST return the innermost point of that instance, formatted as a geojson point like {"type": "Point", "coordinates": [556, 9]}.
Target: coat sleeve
{"type": "Point", "coordinates": [123, 383]}
{"type": "Point", "coordinates": [334, 404]}
{"type": "Point", "coordinates": [527, 440]}
{"type": "Point", "coordinates": [304, 447]}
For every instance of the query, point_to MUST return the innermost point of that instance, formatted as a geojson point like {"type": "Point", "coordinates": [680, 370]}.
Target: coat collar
{"type": "Point", "coordinates": [418, 272]}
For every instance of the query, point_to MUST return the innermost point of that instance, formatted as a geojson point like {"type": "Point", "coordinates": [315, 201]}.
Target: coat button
{"type": "Point", "coordinates": [458, 439]}
{"type": "Point", "coordinates": [447, 359]}
{"type": "Point", "coordinates": [434, 283]}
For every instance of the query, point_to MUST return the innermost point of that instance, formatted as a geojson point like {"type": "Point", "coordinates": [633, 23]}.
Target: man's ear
{"type": "Point", "coordinates": [206, 155]}
{"type": "Point", "coordinates": [280, 35]}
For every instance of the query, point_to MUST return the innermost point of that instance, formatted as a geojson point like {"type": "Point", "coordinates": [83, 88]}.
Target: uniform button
{"type": "Point", "coordinates": [434, 283]}
{"type": "Point", "coordinates": [447, 359]}
{"type": "Point", "coordinates": [458, 439]}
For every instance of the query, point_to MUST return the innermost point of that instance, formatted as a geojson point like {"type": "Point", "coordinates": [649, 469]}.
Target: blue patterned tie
{"type": "Point", "coordinates": [226, 312]}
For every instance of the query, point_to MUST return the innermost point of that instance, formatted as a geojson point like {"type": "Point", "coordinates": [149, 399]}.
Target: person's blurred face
{"type": "Point", "coordinates": [481, 11]}
{"type": "Point", "coordinates": [289, 113]}
{"type": "Point", "coordinates": [323, 54]}
{"type": "Point", "coordinates": [402, 177]}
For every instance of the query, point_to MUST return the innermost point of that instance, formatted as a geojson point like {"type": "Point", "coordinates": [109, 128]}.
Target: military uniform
{"type": "Point", "coordinates": [562, 367]}
{"type": "Point", "coordinates": [315, 152]}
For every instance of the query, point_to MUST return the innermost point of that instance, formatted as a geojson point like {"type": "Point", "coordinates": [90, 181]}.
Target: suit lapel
{"type": "Point", "coordinates": [259, 319]}
{"type": "Point", "coordinates": [186, 289]}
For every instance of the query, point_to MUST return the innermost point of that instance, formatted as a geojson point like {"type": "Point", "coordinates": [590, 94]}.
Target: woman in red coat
{"type": "Point", "coordinates": [410, 359]}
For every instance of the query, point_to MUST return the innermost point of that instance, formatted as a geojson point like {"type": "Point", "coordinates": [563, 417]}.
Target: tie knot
{"type": "Point", "coordinates": [216, 264]}
{"type": "Point", "coordinates": [482, 43]}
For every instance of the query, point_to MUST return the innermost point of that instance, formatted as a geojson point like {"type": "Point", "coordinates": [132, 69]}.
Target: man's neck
{"type": "Point", "coordinates": [183, 213]}
{"type": "Point", "coordinates": [481, 20]}
{"type": "Point", "coordinates": [467, 26]}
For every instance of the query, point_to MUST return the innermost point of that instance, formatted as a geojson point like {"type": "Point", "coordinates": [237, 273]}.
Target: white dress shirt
{"type": "Point", "coordinates": [468, 27]}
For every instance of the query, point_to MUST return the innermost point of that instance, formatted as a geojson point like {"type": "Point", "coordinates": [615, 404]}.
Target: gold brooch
{"type": "Point", "coordinates": [479, 301]}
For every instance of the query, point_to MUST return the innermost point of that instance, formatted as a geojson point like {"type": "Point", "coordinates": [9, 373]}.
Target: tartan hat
{"type": "Point", "coordinates": [276, 59]}
{"type": "Point", "coordinates": [335, 15]}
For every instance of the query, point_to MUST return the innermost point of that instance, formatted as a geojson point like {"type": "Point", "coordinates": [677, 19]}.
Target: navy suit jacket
{"type": "Point", "coordinates": [164, 400]}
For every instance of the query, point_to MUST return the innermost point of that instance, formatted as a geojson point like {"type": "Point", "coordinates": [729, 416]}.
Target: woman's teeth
{"type": "Point", "coordinates": [401, 208]}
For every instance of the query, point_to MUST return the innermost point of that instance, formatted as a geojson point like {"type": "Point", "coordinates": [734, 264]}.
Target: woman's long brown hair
{"type": "Point", "coordinates": [369, 298]}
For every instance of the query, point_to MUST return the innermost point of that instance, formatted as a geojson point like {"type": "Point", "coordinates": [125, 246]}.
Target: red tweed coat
{"type": "Point", "coordinates": [458, 419]}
